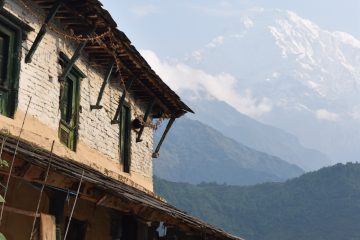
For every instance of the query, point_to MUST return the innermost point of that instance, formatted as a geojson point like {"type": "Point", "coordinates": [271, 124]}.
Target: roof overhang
{"type": "Point", "coordinates": [78, 17]}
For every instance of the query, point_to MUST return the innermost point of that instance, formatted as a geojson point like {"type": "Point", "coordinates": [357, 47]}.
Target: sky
{"type": "Point", "coordinates": [175, 28]}
{"type": "Point", "coordinates": [288, 63]}
{"type": "Point", "coordinates": [177, 36]}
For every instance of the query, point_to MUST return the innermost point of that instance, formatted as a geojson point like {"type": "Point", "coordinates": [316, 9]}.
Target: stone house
{"type": "Point", "coordinates": [78, 108]}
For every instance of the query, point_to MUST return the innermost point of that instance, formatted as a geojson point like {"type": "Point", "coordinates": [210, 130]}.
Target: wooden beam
{"type": "Point", "coordinates": [146, 116]}
{"type": "Point", "coordinates": [42, 31]}
{"type": "Point", "coordinates": [122, 100]}
{"type": "Point", "coordinates": [22, 171]}
{"type": "Point", "coordinates": [76, 55]}
{"type": "Point", "coordinates": [101, 200]}
{"type": "Point", "coordinates": [21, 212]}
{"type": "Point", "coordinates": [133, 73]}
{"type": "Point", "coordinates": [151, 93]}
{"type": "Point", "coordinates": [106, 81]}
{"type": "Point", "coordinates": [168, 126]}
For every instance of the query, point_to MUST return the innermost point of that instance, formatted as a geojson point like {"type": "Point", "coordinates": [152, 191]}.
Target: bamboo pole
{"type": "Point", "coordinates": [42, 190]}
{"type": "Point", "coordinates": [73, 207]}
{"type": "Point", "coordinates": [13, 160]}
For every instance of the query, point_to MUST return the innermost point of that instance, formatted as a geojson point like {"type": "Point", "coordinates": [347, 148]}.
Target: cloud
{"type": "Point", "coordinates": [323, 114]}
{"type": "Point", "coordinates": [144, 10]}
{"type": "Point", "coordinates": [198, 55]}
{"type": "Point", "coordinates": [215, 42]}
{"type": "Point", "coordinates": [355, 113]}
{"type": "Point", "coordinates": [248, 23]}
{"type": "Point", "coordinates": [183, 78]}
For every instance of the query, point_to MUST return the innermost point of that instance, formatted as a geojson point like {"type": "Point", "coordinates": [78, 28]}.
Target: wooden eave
{"type": "Point", "coordinates": [32, 161]}
{"type": "Point", "coordinates": [78, 16]}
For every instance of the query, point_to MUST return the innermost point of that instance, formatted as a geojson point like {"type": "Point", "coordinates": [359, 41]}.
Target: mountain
{"type": "Point", "coordinates": [308, 77]}
{"type": "Point", "coordinates": [318, 205]}
{"type": "Point", "coordinates": [194, 153]}
{"type": "Point", "coordinates": [279, 68]}
{"type": "Point", "coordinates": [256, 135]}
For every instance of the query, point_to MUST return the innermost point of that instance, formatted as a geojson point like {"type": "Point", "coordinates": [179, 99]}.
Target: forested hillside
{"type": "Point", "coordinates": [318, 205]}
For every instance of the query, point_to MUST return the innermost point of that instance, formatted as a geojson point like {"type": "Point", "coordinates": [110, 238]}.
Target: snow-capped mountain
{"type": "Point", "coordinates": [283, 70]}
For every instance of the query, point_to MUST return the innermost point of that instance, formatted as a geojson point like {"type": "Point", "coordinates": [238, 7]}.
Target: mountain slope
{"type": "Point", "coordinates": [256, 135]}
{"type": "Point", "coordinates": [194, 153]}
{"type": "Point", "coordinates": [318, 205]}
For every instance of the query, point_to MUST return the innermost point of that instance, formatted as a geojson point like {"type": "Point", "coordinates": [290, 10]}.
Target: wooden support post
{"type": "Point", "coordinates": [168, 126]}
{"type": "Point", "coordinates": [122, 100]}
{"type": "Point", "coordinates": [106, 80]}
{"type": "Point", "coordinates": [75, 57]}
{"type": "Point", "coordinates": [146, 116]}
{"type": "Point", "coordinates": [42, 31]}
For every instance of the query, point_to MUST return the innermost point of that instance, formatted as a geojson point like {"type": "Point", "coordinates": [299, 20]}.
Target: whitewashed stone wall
{"type": "Point", "coordinates": [39, 79]}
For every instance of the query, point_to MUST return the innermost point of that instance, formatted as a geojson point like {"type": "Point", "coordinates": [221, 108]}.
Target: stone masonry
{"type": "Point", "coordinates": [39, 79]}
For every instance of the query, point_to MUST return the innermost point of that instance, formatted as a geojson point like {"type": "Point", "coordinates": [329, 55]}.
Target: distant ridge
{"type": "Point", "coordinates": [194, 153]}
{"type": "Point", "coordinates": [256, 135]}
{"type": "Point", "coordinates": [320, 205]}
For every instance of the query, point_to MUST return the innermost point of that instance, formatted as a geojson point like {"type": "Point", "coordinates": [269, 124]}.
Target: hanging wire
{"type": "Point", "coordinates": [42, 190]}
{"type": "Point", "coordinates": [13, 160]}
{"type": "Point", "coordinates": [72, 210]}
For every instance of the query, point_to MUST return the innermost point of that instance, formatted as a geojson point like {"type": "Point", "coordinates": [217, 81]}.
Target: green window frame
{"type": "Point", "coordinates": [69, 105]}
{"type": "Point", "coordinates": [11, 33]}
{"type": "Point", "coordinates": [125, 137]}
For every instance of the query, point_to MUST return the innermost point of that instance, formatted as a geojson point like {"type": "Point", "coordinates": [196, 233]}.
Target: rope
{"type": "Point", "coordinates": [42, 190]}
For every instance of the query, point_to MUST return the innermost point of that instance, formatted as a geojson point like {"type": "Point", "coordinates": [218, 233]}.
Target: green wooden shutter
{"type": "Point", "coordinates": [69, 108]}
{"type": "Point", "coordinates": [7, 73]}
{"type": "Point", "coordinates": [3, 71]}
{"type": "Point", "coordinates": [11, 30]}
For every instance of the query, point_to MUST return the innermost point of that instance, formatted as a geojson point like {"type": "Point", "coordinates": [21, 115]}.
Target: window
{"type": "Point", "coordinates": [124, 135]}
{"type": "Point", "coordinates": [10, 45]}
{"type": "Point", "coordinates": [69, 107]}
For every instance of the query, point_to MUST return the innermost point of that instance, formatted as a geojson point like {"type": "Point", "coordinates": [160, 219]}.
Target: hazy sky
{"type": "Point", "coordinates": [173, 28]}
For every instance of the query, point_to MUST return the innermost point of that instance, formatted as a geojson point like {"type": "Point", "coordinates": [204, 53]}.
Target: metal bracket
{"type": "Point", "coordinates": [42, 31]}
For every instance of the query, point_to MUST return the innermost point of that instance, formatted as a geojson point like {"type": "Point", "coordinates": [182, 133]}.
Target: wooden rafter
{"type": "Point", "coordinates": [42, 31]}
{"type": "Point", "coordinates": [76, 56]}
{"type": "Point", "coordinates": [105, 82]}
{"type": "Point", "coordinates": [122, 101]}
{"type": "Point", "coordinates": [146, 116]}
{"type": "Point", "coordinates": [168, 126]}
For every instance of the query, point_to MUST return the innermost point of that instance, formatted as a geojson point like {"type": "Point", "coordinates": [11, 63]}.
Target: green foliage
{"type": "Point", "coordinates": [2, 237]}
{"type": "Point", "coordinates": [319, 205]}
{"type": "Point", "coordinates": [3, 163]}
